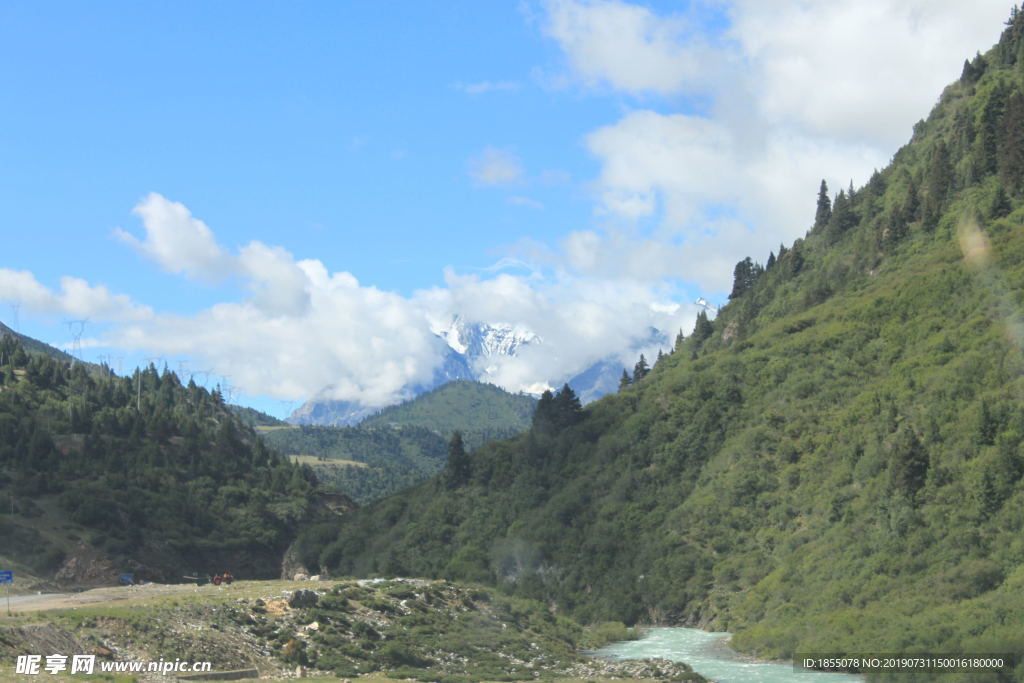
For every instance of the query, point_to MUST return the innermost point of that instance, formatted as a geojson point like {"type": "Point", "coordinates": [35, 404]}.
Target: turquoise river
{"type": "Point", "coordinates": [710, 656]}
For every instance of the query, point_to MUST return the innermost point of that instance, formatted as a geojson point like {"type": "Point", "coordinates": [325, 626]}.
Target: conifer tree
{"type": "Point", "coordinates": [457, 469]}
{"type": "Point", "coordinates": [824, 210]}
{"type": "Point", "coordinates": [937, 185]}
{"type": "Point", "coordinates": [1010, 154]}
{"type": "Point", "coordinates": [1000, 205]}
{"type": "Point", "coordinates": [796, 260]}
{"type": "Point", "coordinates": [908, 462]}
{"type": "Point", "coordinates": [987, 426]}
{"type": "Point", "coordinates": [640, 370]}
{"type": "Point", "coordinates": [986, 154]}
{"type": "Point", "coordinates": [543, 412]}
{"type": "Point", "coordinates": [744, 275]}
{"type": "Point", "coordinates": [567, 407]}
{"type": "Point", "coordinates": [703, 328]}
{"type": "Point", "coordinates": [625, 380]}
{"type": "Point", "coordinates": [910, 207]}
{"type": "Point", "coordinates": [555, 412]}
{"type": "Point", "coordinates": [843, 217]}
{"type": "Point", "coordinates": [973, 69]}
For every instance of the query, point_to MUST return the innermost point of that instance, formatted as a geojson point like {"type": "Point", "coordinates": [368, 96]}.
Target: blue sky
{"type": "Point", "coordinates": [297, 195]}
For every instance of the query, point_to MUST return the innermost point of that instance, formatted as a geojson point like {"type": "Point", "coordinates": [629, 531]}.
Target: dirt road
{"type": "Point", "coordinates": [101, 596]}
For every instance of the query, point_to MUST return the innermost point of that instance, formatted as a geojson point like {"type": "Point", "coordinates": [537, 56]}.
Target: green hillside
{"type": "Point", "coordinates": [403, 444]}
{"type": "Point", "coordinates": [364, 463]}
{"type": "Point", "coordinates": [35, 347]}
{"type": "Point", "coordinates": [834, 464]}
{"type": "Point", "coordinates": [482, 412]}
{"type": "Point", "coordinates": [101, 475]}
{"type": "Point", "coordinates": [255, 418]}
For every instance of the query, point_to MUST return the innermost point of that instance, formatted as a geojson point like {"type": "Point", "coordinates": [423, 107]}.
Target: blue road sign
{"type": "Point", "coordinates": [6, 577]}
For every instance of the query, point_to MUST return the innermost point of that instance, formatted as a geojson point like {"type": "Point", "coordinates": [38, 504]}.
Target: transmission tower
{"type": "Point", "coordinates": [76, 328]}
{"type": "Point", "coordinates": [205, 374]}
{"type": "Point", "coordinates": [288, 407]}
{"type": "Point", "coordinates": [226, 390]}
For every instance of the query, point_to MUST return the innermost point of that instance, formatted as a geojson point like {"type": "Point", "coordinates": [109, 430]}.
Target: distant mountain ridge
{"type": "Point", "coordinates": [470, 346]}
{"type": "Point", "coordinates": [482, 412]}
{"type": "Point", "coordinates": [401, 445]}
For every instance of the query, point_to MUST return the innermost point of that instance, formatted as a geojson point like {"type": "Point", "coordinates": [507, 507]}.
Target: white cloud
{"type": "Point", "coordinates": [689, 170]}
{"type": "Point", "coordinates": [863, 71]}
{"type": "Point", "coordinates": [76, 298]}
{"type": "Point", "coordinates": [687, 159]}
{"type": "Point", "coordinates": [495, 167]}
{"type": "Point", "coordinates": [278, 284]}
{"type": "Point", "coordinates": [580, 319]}
{"type": "Point", "coordinates": [176, 240]}
{"type": "Point", "coordinates": [796, 91]}
{"type": "Point", "coordinates": [304, 330]}
{"type": "Point", "coordinates": [619, 255]}
{"type": "Point", "coordinates": [359, 342]}
{"type": "Point", "coordinates": [627, 46]}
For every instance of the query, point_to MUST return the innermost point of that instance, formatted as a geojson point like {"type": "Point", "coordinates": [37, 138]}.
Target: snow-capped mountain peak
{"type": "Point", "coordinates": [481, 340]}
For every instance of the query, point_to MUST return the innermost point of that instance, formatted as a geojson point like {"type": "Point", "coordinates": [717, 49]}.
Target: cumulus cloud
{"type": "Point", "coordinates": [862, 71]}
{"type": "Point", "coordinates": [357, 342]}
{"type": "Point", "coordinates": [495, 167]}
{"type": "Point", "coordinates": [178, 242]}
{"type": "Point", "coordinates": [76, 298]}
{"type": "Point", "coordinates": [690, 171]}
{"type": "Point", "coordinates": [627, 46]}
{"type": "Point", "coordinates": [580, 319]}
{"type": "Point", "coordinates": [303, 330]}
{"type": "Point", "coordinates": [620, 255]}
{"type": "Point", "coordinates": [794, 92]}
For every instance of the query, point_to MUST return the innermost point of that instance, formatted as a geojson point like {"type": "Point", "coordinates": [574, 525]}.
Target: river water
{"type": "Point", "coordinates": [709, 656]}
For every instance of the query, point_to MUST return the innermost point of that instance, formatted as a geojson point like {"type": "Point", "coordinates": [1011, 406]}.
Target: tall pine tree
{"type": "Point", "coordinates": [641, 369]}
{"type": "Point", "coordinates": [824, 210]}
{"type": "Point", "coordinates": [702, 329]}
{"type": "Point", "coordinates": [457, 469]}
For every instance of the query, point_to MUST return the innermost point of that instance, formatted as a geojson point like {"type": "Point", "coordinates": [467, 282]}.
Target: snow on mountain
{"type": "Point", "coordinates": [482, 340]}
{"type": "Point", "coordinates": [471, 345]}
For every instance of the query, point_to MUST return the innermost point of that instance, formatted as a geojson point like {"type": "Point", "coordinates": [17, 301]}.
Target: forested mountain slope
{"type": "Point", "coordinates": [364, 463]}
{"type": "Point", "coordinates": [403, 444]}
{"type": "Point", "coordinates": [833, 464]}
{"type": "Point", "coordinates": [482, 412]}
{"type": "Point", "coordinates": [101, 475]}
